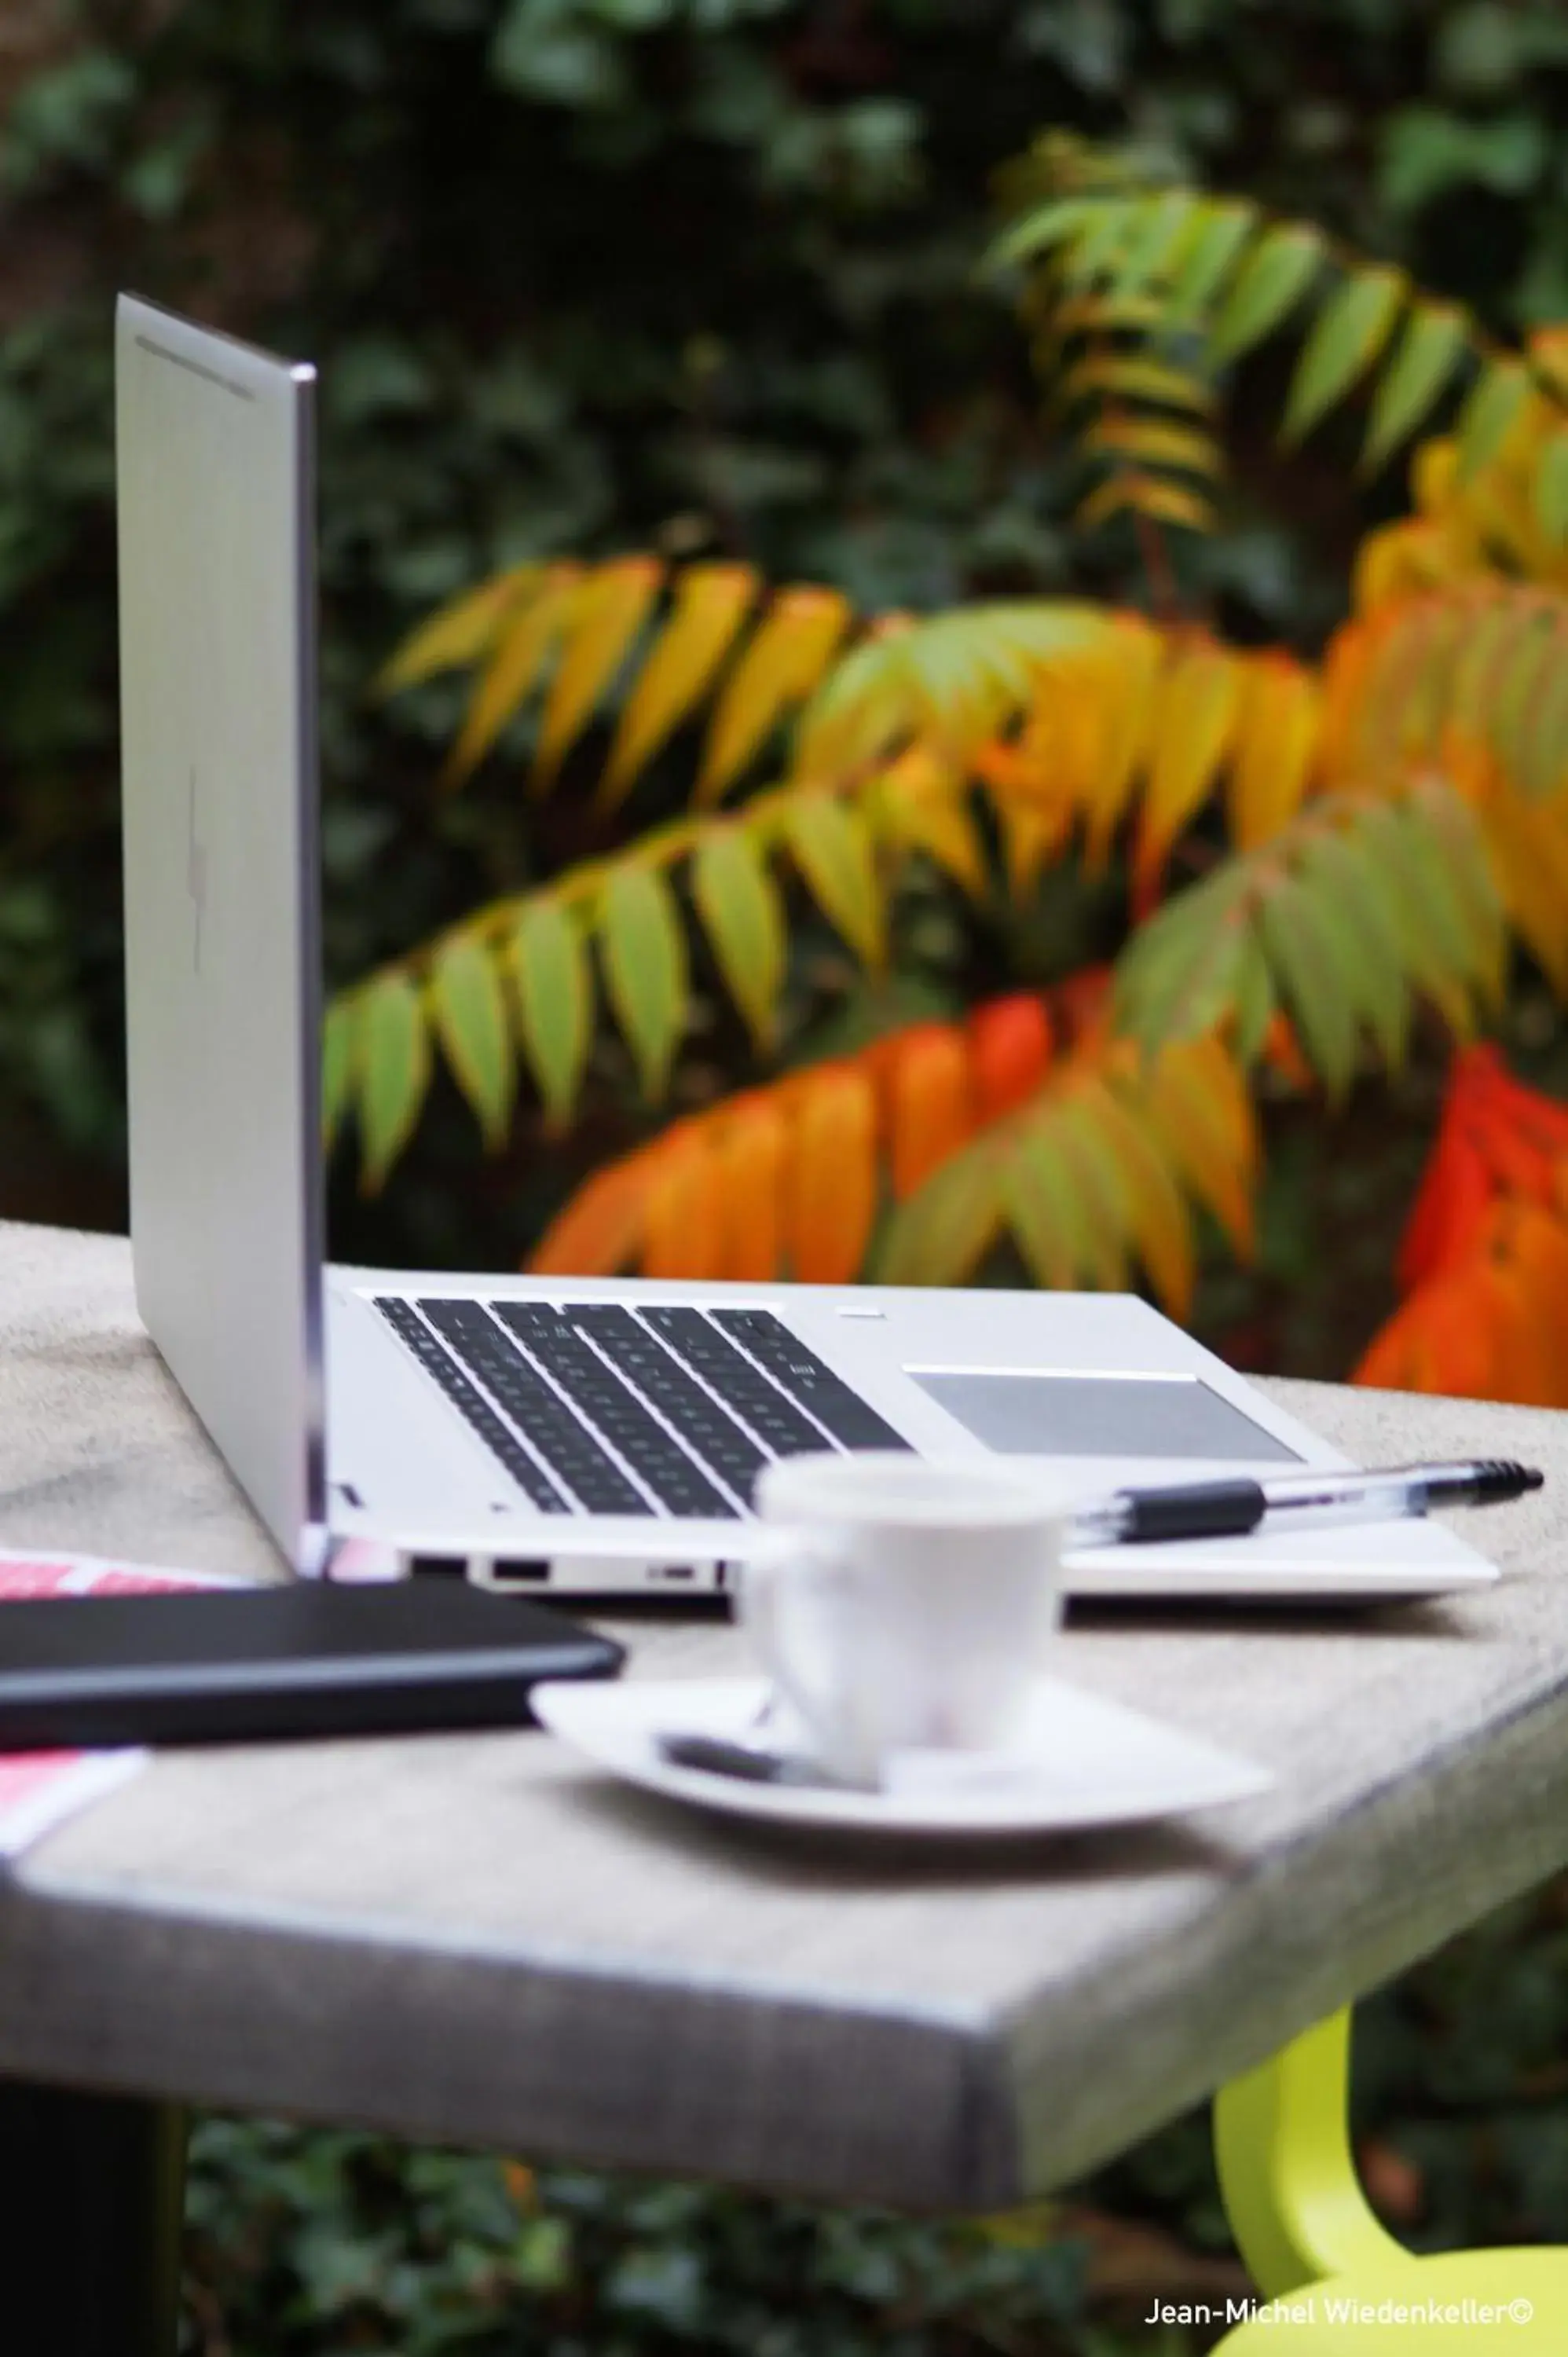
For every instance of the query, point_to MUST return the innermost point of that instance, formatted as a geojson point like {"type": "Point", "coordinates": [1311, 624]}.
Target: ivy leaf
{"type": "Point", "coordinates": [644, 968]}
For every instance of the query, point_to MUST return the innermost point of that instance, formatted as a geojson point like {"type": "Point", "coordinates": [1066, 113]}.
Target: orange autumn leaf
{"type": "Point", "coordinates": [1484, 1261]}
{"type": "Point", "coordinates": [905, 1106]}
{"type": "Point", "coordinates": [930, 1099]}
{"type": "Point", "coordinates": [1281, 1053]}
{"type": "Point", "coordinates": [684, 1219]}
{"type": "Point", "coordinates": [749, 1156]}
{"type": "Point", "coordinates": [1448, 1209]}
{"type": "Point", "coordinates": [831, 1186]}
{"type": "Point", "coordinates": [1438, 1340]}
{"type": "Point", "coordinates": [600, 1229]}
{"type": "Point", "coordinates": [1529, 1270]}
{"type": "Point", "coordinates": [794, 1179]}
{"type": "Point", "coordinates": [1010, 1041]}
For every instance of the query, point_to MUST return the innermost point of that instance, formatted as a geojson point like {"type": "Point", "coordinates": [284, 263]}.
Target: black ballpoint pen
{"type": "Point", "coordinates": [1231, 1507]}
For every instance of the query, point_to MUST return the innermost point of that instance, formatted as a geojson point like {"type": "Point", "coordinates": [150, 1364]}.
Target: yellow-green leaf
{"type": "Point", "coordinates": [471, 1024]}
{"type": "Point", "coordinates": [939, 823]}
{"type": "Point", "coordinates": [1543, 747]}
{"type": "Point", "coordinates": [1161, 1228]}
{"type": "Point", "coordinates": [549, 967]}
{"type": "Point", "coordinates": [1154, 441]}
{"type": "Point", "coordinates": [522, 650]}
{"type": "Point", "coordinates": [739, 906]}
{"type": "Point", "coordinates": [1124, 376]}
{"type": "Point", "coordinates": [1094, 1193]}
{"type": "Point", "coordinates": [789, 652]}
{"type": "Point", "coordinates": [1044, 227]}
{"type": "Point", "coordinates": [711, 603]}
{"type": "Point", "coordinates": [945, 1228]}
{"type": "Point", "coordinates": [393, 1071]}
{"type": "Point", "coordinates": [1130, 490]}
{"type": "Point", "coordinates": [339, 1047]}
{"type": "Point", "coordinates": [832, 846]}
{"type": "Point", "coordinates": [1253, 1000]}
{"type": "Point", "coordinates": [862, 708]}
{"type": "Point", "coordinates": [1214, 247]}
{"type": "Point", "coordinates": [1156, 234]}
{"type": "Point", "coordinates": [1432, 342]}
{"type": "Point", "coordinates": [1500, 392]}
{"type": "Point", "coordinates": [1350, 330]}
{"type": "Point", "coordinates": [1304, 958]}
{"type": "Point", "coordinates": [459, 633]}
{"type": "Point", "coordinates": [644, 968]}
{"type": "Point", "coordinates": [1100, 242]}
{"type": "Point", "coordinates": [609, 610]}
{"type": "Point", "coordinates": [1040, 1199]}
{"type": "Point", "coordinates": [1552, 487]}
{"type": "Point", "coordinates": [1197, 707]}
{"type": "Point", "coordinates": [1177, 974]}
{"type": "Point", "coordinates": [1268, 284]}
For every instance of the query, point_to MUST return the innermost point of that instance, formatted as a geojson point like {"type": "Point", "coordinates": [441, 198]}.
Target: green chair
{"type": "Point", "coordinates": [1322, 2264]}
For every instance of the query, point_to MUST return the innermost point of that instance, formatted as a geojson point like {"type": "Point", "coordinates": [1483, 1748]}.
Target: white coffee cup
{"type": "Point", "coordinates": [901, 1604]}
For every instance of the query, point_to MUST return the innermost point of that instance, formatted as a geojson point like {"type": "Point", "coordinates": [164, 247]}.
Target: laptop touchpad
{"type": "Point", "coordinates": [1031, 1415]}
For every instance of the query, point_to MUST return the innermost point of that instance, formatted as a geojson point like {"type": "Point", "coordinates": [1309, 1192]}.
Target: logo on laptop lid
{"type": "Point", "coordinates": [195, 875]}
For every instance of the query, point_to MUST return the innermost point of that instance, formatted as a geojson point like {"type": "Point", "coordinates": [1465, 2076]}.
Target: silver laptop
{"type": "Point", "coordinates": [597, 1437]}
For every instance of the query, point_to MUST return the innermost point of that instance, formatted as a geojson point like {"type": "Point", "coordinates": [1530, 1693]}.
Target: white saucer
{"type": "Point", "coordinates": [1082, 1763]}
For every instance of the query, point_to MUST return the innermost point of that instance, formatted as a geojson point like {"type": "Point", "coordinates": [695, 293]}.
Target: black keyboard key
{"type": "Point", "coordinates": [614, 1409]}
{"type": "Point", "coordinates": [776, 1420]}
{"type": "Point", "coordinates": [805, 1377]}
{"type": "Point", "coordinates": [725, 1447]}
{"type": "Point", "coordinates": [477, 1411]}
{"type": "Point", "coordinates": [565, 1442]}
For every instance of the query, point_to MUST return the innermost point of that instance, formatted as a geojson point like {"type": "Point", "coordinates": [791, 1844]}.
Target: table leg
{"type": "Point", "coordinates": [91, 2188]}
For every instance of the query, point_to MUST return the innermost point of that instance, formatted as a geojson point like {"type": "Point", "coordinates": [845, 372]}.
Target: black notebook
{"type": "Point", "coordinates": [245, 1665]}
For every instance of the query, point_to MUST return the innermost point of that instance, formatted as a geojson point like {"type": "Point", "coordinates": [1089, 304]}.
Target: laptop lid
{"type": "Point", "coordinates": [215, 494]}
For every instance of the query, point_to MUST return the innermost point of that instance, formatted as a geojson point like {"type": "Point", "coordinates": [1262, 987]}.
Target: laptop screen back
{"type": "Point", "coordinates": [215, 495]}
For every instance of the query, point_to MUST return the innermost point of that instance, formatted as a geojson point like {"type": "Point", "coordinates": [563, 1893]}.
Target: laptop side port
{"type": "Point", "coordinates": [520, 1571]}
{"type": "Point", "coordinates": [438, 1566]}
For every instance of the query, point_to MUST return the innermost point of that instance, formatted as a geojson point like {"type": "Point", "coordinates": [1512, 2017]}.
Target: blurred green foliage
{"type": "Point", "coordinates": [694, 275]}
{"type": "Point", "coordinates": [304, 2243]}
{"type": "Point", "coordinates": [590, 274]}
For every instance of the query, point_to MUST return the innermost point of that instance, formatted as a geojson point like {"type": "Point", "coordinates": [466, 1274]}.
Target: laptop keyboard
{"type": "Point", "coordinates": [595, 1409]}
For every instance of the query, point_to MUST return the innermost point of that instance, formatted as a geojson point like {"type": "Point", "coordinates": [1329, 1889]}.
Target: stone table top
{"type": "Point", "coordinates": [477, 1939]}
